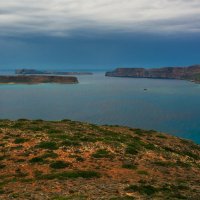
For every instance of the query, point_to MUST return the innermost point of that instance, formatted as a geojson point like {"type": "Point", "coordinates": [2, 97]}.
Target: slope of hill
{"type": "Point", "coordinates": [72, 160]}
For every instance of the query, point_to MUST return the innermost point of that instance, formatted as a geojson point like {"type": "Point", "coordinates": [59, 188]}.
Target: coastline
{"type": "Point", "coordinates": [37, 79]}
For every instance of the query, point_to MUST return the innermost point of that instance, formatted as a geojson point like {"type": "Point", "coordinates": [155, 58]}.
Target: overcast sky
{"type": "Point", "coordinates": [89, 33]}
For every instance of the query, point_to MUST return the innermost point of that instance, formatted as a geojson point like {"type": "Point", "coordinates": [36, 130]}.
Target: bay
{"type": "Point", "coordinates": [170, 106]}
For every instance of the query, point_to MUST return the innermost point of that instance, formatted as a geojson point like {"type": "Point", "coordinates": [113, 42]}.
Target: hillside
{"type": "Point", "coordinates": [191, 73]}
{"type": "Point", "coordinates": [72, 160]}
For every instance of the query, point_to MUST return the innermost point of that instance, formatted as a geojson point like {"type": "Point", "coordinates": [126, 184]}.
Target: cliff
{"type": "Point", "coordinates": [186, 73]}
{"type": "Point", "coordinates": [46, 160]}
{"type": "Point", "coordinates": [32, 79]}
{"type": "Point", "coordinates": [33, 71]}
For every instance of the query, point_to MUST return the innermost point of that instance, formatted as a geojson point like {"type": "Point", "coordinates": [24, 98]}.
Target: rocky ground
{"type": "Point", "coordinates": [42, 160]}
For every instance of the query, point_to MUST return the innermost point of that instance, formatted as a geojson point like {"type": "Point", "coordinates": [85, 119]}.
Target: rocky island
{"type": "Point", "coordinates": [191, 73]}
{"type": "Point", "coordinates": [62, 160]}
{"type": "Point", "coordinates": [35, 72]}
{"type": "Point", "coordinates": [33, 79]}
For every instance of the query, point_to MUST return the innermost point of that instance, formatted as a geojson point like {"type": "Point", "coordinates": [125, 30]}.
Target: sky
{"type": "Point", "coordinates": [99, 34]}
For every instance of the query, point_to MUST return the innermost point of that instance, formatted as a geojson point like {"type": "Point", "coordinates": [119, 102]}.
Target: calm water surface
{"type": "Point", "coordinates": [171, 106]}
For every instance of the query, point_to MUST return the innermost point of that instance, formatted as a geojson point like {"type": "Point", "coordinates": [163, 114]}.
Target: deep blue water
{"type": "Point", "coordinates": [170, 106]}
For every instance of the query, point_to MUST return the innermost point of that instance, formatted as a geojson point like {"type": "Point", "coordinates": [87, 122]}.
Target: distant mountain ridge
{"type": "Point", "coordinates": [191, 73]}
{"type": "Point", "coordinates": [33, 71]}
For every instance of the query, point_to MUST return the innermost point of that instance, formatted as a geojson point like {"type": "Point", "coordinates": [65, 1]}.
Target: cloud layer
{"type": "Point", "coordinates": [63, 17]}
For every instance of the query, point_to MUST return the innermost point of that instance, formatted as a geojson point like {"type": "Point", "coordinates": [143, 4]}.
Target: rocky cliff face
{"type": "Point", "coordinates": [188, 73]}
{"type": "Point", "coordinates": [30, 79]}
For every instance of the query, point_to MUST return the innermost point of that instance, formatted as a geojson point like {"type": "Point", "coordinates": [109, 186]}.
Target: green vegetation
{"type": "Point", "coordinates": [59, 164]}
{"type": "Point", "coordinates": [48, 145]}
{"type": "Point", "coordinates": [20, 140]}
{"type": "Point", "coordinates": [142, 172]}
{"type": "Point", "coordinates": [129, 166]}
{"type": "Point", "coordinates": [72, 197]}
{"type": "Point", "coordinates": [102, 153]}
{"type": "Point", "coordinates": [36, 160]}
{"type": "Point", "coordinates": [123, 198]}
{"type": "Point", "coordinates": [50, 155]}
{"type": "Point", "coordinates": [2, 166]}
{"type": "Point", "coordinates": [143, 189]}
{"type": "Point", "coordinates": [70, 175]}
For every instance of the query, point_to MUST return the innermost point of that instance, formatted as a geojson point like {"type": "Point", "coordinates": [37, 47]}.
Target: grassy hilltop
{"type": "Point", "coordinates": [72, 160]}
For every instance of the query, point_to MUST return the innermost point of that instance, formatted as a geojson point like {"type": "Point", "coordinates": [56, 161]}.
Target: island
{"type": "Point", "coordinates": [191, 73]}
{"type": "Point", "coordinates": [36, 72]}
{"type": "Point", "coordinates": [33, 79]}
{"type": "Point", "coordinates": [54, 160]}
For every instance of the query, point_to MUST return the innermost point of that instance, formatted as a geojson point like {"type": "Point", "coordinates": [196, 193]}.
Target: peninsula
{"type": "Point", "coordinates": [36, 72]}
{"type": "Point", "coordinates": [191, 73]}
{"type": "Point", "coordinates": [65, 159]}
{"type": "Point", "coordinates": [33, 79]}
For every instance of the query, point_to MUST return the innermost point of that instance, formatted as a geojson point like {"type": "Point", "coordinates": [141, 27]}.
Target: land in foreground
{"type": "Point", "coordinates": [74, 160]}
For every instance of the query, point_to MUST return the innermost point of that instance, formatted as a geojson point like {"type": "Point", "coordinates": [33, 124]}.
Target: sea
{"type": "Point", "coordinates": [170, 106]}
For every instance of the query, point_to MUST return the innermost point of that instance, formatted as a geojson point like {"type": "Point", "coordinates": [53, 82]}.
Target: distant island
{"type": "Point", "coordinates": [33, 79]}
{"type": "Point", "coordinates": [191, 73]}
{"type": "Point", "coordinates": [33, 71]}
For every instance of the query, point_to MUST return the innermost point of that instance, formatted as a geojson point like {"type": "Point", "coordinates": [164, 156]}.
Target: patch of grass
{"type": "Point", "coordinates": [2, 191]}
{"type": "Point", "coordinates": [123, 198]}
{"type": "Point", "coordinates": [138, 132]}
{"type": "Point", "coordinates": [70, 175]}
{"type": "Point", "coordinates": [161, 136]}
{"type": "Point", "coordinates": [59, 164]}
{"type": "Point", "coordinates": [143, 189]}
{"type": "Point", "coordinates": [20, 140]}
{"type": "Point", "coordinates": [54, 131]}
{"type": "Point", "coordinates": [142, 172]}
{"type": "Point", "coordinates": [22, 120]}
{"type": "Point", "coordinates": [35, 128]}
{"type": "Point", "coordinates": [50, 155]}
{"type": "Point", "coordinates": [2, 157]}
{"type": "Point", "coordinates": [172, 164]}
{"type": "Point", "coordinates": [36, 160]}
{"type": "Point", "coordinates": [16, 148]}
{"type": "Point", "coordinates": [48, 145]}
{"type": "Point", "coordinates": [17, 125]}
{"type": "Point", "coordinates": [129, 166]}
{"type": "Point", "coordinates": [70, 143]}
{"type": "Point", "coordinates": [192, 155]}
{"type": "Point", "coordinates": [73, 197]}
{"type": "Point", "coordinates": [101, 153]}
{"type": "Point", "coordinates": [2, 166]}
{"type": "Point", "coordinates": [80, 159]}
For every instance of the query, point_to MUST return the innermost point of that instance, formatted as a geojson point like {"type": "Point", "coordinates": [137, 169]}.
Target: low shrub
{"type": "Point", "coordinates": [48, 145]}
{"type": "Point", "coordinates": [70, 175]}
{"type": "Point", "coordinates": [59, 164]}
{"type": "Point", "coordinates": [36, 160]}
{"type": "Point", "coordinates": [102, 153]}
{"type": "Point", "coordinates": [20, 140]}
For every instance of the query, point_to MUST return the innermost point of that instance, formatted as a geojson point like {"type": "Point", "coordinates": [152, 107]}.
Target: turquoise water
{"type": "Point", "coordinates": [170, 106]}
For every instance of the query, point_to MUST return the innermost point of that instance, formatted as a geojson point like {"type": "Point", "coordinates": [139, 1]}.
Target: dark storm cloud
{"type": "Point", "coordinates": [62, 17]}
